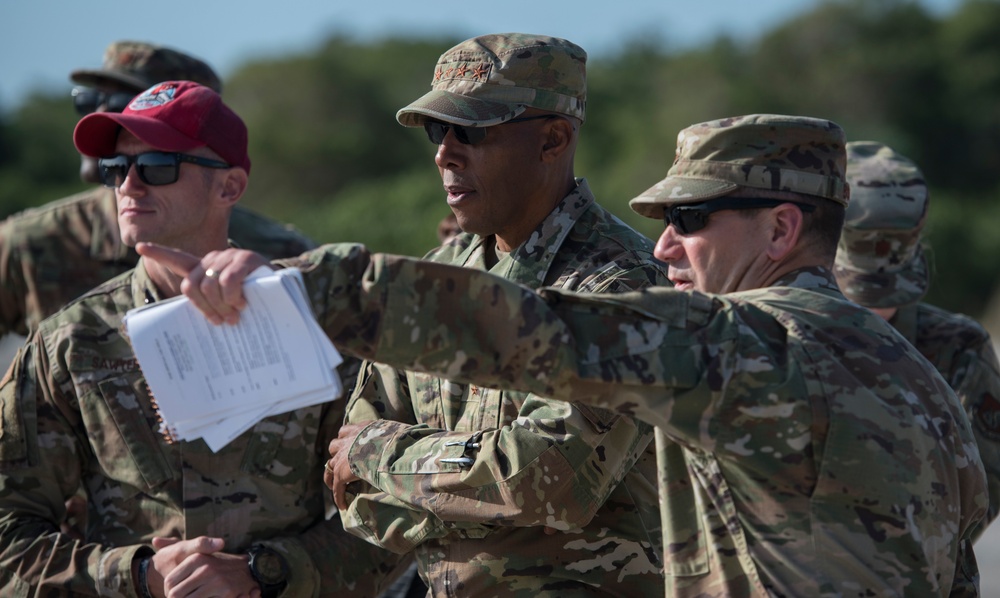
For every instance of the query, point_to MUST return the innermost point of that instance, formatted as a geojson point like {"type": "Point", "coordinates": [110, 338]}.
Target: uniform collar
{"type": "Point", "coordinates": [813, 277]}
{"type": "Point", "coordinates": [144, 291]}
{"type": "Point", "coordinates": [529, 263]}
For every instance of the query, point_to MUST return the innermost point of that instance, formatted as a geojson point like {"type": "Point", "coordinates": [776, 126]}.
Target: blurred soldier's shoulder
{"type": "Point", "coordinates": [252, 230]}
{"type": "Point", "coordinates": [70, 215]}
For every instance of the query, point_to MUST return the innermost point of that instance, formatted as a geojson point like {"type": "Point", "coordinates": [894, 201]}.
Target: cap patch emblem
{"type": "Point", "coordinates": [154, 97]}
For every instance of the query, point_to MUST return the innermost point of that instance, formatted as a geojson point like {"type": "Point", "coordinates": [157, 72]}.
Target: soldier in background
{"type": "Point", "coordinates": [881, 265]}
{"type": "Point", "coordinates": [813, 450]}
{"type": "Point", "coordinates": [76, 410]}
{"type": "Point", "coordinates": [56, 252]}
{"type": "Point", "coordinates": [477, 474]}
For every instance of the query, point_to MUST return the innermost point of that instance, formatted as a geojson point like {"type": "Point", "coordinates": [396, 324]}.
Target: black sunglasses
{"type": "Point", "coordinates": [87, 100]}
{"type": "Point", "coordinates": [691, 218]}
{"type": "Point", "coordinates": [154, 168]}
{"type": "Point", "coordinates": [437, 130]}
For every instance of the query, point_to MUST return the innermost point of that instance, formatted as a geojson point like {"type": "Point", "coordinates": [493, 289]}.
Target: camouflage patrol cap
{"type": "Point", "coordinates": [880, 262]}
{"type": "Point", "coordinates": [493, 78]}
{"type": "Point", "coordinates": [771, 152]}
{"type": "Point", "coordinates": [141, 65]}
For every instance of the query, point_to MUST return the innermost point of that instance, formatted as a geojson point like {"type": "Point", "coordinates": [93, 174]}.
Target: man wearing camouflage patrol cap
{"type": "Point", "coordinates": [163, 517]}
{"type": "Point", "coordinates": [56, 252]}
{"type": "Point", "coordinates": [505, 112]}
{"type": "Point", "coordinates": [804, 447]}
{"type": "Point", "coordinates": [881, 265]}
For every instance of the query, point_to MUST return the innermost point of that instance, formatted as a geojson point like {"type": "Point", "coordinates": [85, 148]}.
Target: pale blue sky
{"type": "Point", "coordinates": [41, 41]}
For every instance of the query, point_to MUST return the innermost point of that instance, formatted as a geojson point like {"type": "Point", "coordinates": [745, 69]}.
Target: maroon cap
{"type": "Point", "coordinates": [174, 116]}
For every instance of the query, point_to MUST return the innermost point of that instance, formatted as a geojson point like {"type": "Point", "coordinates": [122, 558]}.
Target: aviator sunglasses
{"type": "Point", "coordinates": [691, 218]}
{"type": "Point", "coordinates": [87, 101]}
{"type": "Point", "coordinates": [437, 130]}
{"type": "Point", "coordinates": [154, 168]}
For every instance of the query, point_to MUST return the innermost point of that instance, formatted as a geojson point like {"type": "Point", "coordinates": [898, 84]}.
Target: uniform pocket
{"type": "Point", "coordinates": [124, 432]}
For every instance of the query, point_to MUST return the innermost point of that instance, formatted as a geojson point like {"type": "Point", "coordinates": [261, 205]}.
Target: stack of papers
{"type": "Point", "coordinates": [216, 382]}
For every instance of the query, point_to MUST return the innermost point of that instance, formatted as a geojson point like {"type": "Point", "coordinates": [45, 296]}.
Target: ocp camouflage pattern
{"type": "Point", "coordinates": [469, 478]}
{"type": "Point", "coordinates": [822, 455]}
{"type": "Point", "coordinates": [880, 258]}
{"type": "Point", "coordinates": [765, 152]}
{"type": "Point", "coordinates": [75, 412]}
{"type": "Point", "coordinates": [963, 353]}
{"type": "Point", "coordinates": [490, 79]}
{"type": "Point", "coordinates": [142, 64]}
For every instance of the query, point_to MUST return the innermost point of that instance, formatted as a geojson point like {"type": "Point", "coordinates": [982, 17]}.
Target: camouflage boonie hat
{"type": "Point", "coordinates": [880, 262]}
{"type": "Point", "coordinates": [141, 65]}
{"type": "Point", "coordinates": [764, 151]}
{"type": "Point", "coordinates": [493, 78]}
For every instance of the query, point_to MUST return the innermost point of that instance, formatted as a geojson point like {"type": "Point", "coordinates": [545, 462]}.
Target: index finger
{"type": "Point", "coordinates": [179, 262]}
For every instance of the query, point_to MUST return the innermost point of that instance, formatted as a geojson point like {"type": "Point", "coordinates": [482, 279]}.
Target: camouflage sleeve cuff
{"type": "Point", "coordinates": [114, 570]}
{"type": "Point", "coordinates": [366, 455]}
{"type": "Point", "coordinates": [303, 575]}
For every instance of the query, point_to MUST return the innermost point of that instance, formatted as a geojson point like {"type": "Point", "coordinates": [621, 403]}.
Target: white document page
{"type": "Point", "coordinates": [218, 381]}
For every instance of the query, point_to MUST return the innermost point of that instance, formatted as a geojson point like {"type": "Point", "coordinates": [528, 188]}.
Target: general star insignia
{"type": "Point", "coordinates": [460, 71]}
{"type": "Point", "coordinates": [437, 75]}
{"type": "Point", "coordinates": [480, 71]}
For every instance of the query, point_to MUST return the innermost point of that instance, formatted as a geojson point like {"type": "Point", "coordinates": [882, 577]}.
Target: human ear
{"type": "Point", "coordinates": [558, 134]}
{"type": "Point", "coordinates": [233, 184]}
{"type": "Point", "coordinates": [784, 226]}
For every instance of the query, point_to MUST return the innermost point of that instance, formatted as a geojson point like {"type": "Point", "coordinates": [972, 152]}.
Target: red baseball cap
{"type": "Point", "coordinates": [173, 116]}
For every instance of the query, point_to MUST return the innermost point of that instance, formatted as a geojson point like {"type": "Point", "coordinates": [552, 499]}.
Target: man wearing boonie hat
{"type": "Point", "coordinates": [54, 253]}
{"type": "Point", "coordinates": [881, 264]}
{"type": "Point", "coordinates": [77, 412]}
{"type": "Point", "coordinates": [561, 481]}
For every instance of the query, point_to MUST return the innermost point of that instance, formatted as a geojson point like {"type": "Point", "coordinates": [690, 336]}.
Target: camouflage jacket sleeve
{"type": "Point", "coordinates": [554, 465]}
{"type": "Point", "coordinates": [39, 470]}
{"type": "Point", "coordinates": [963, 352]}
{"type": "Point", "coordinates": [12, 291]}
{"type": "Point", "coordinates": [723, 377]}
{"type": "Point", "coordinates": [382, 393]}
{"type": "Point", "coordinates": [375, 306]}
{"type": "Point", "coordinates": [977, 384]}
{"type": "Point", "coordinates": [979, 390]}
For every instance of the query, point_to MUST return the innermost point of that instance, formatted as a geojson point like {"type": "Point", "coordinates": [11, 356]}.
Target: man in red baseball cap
{"type": "Point", "coordinates": [55, 252]}
{"type": "Point", "coordinates": [161, 517]}
{"type": "Point", "coordinates": [171, 128]}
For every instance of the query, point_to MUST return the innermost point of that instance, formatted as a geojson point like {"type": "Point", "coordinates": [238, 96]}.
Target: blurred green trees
{"type": "Point", "coordinates": [329, 157]}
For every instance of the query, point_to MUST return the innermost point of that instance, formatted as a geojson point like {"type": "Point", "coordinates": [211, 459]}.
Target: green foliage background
{"type": "Point", "coordinates": [329, 157]}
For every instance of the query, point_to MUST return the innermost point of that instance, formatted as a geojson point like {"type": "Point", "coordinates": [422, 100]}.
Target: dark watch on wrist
{"type": "Point", "coordinates": [269, 570]}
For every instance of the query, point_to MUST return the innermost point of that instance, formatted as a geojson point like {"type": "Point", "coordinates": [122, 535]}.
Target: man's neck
{"type": "Point", "coordinates": [508, 241]}
{"type": "Point", "coordinates": [167, 283]}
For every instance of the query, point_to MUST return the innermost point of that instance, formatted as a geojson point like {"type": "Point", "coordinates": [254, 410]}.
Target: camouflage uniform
{"type": "Point", "coordinates": [55, 253]}
{"type": "Point", "coordinates": [881, 264]}
{"type": "Point", "coordinates": [539, 462]}
{"type": "Point", "coordinates": [76, 411]}
{"type": "Point", "coordinates": [475, 515]}
{"type": "Point", "coordinates": [817, 453]}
